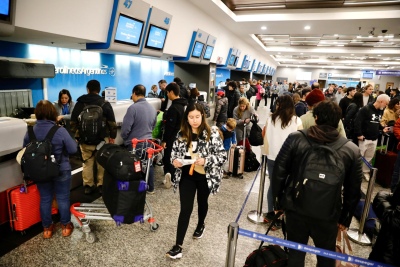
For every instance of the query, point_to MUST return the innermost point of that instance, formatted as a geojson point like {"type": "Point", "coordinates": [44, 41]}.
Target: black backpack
{"type": "Point", "coordinates": [316, 190]}
{"type": "Point", "coordinates": [255, 137]}
{"type": "Point", "coordinates": [251, 163]}
{"type": "Point", "coordinates": [91, 124]}
{"type": "Point", "coordinates": [37, 163]}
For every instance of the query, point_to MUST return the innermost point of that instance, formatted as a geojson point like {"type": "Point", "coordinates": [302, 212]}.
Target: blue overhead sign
{"type": "Point", "coordinates": [388, 72]}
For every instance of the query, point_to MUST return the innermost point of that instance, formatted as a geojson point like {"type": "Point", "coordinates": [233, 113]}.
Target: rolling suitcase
{"type": "Point", "coordinates": [23, 206]}
{"type": "Point", "coordinates": [384, 162]}
{"type": "Point", "coordinates": [236, 160]}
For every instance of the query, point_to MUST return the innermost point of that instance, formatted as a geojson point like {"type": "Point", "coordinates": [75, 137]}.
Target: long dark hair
{"type": "Point", "coordinates": [358, 100]}
{"type": "Point", "coordinates": [64, 92]}
{"type": "Point", "coordinates": [186, 129]}
{"type": "Point", "coordinates": [284, 110]}
{"type": "Point", "coordinates": [393, 102]}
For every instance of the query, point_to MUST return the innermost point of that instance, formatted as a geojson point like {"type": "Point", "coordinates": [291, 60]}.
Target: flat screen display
{"type": "Point", "coordinates": [236, 61]}
{"type": "Point", "coordinates": [231, 60]}
{"type": "Point", "coordinates": [5, 7]}
{"type": "Point", "coordinates": [208, 53]}
{"type": "Point", "coordinates": [368, 75]}
{"type": "Point", "coordinates": [198, 49]}
{"type": "Point", "coordinates": [129, 30]}
{"type": "Point", "coordinates": [156, 38]}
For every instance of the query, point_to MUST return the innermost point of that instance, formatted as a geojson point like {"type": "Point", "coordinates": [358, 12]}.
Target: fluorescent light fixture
{"type": "Point", "coordinates": [352, 54]}
{"type": "Point", "coordinates": [340, 45]}
{"type": "Point", "coordinates": [379, 55]}
{"type": "Point", "coordinates": [263, 27]}
{"type": "Point", "coordinates": [336, 34]}
{"type": "Point", "coordinates": [380, 40]}
{"type": "Point", "coordinates": [307, 27]}
{"type": "Point", "coordinates": [301, 53]}
{"type": "Point", "coordinates": [368, 3]}
{"type": "Point", "coordinates": [258, 7]}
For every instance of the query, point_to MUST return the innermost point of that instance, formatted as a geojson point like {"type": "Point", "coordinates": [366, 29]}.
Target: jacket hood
{"type": "Point", "coordinates": [323, 133]}
{"type": "Point", "coordinates": [181, 101]}
{"type": "Point", "coordinates": [88, 98]}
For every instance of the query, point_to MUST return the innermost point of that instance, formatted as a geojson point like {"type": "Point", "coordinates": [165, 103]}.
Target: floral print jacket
{"type": "Point", "coordinates": [214, 153]}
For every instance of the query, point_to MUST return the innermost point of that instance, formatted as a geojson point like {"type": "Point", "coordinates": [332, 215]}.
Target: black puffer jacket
{"type": "Point", "coordinates": [287, 166]}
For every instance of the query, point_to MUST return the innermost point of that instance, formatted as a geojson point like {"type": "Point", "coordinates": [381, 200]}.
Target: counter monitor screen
{"type": "Point", "coordinates": [232, 60]}
{"type": "Point", "coordinates": [129, 30]}
{"type": "Point", "coordinates": [156, 38]}
{"type": "Point", "coordinates": [208, 53]}
{"type": "Point", "coordinates": [5, 9]}
{"type": "Point", "coordinates": [198, 49]}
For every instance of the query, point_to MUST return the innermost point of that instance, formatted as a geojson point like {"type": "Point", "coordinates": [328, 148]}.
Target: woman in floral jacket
{"type": "Point", "coordinates": [202, 148]}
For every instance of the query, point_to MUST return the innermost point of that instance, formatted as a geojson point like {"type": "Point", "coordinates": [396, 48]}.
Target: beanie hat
{"type": "Point", "coordinates": [314, 97]}
{"type": "Point", "coordinates": [221, 93]}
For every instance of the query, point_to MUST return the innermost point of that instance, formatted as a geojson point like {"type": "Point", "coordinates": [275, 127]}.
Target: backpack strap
{"type": "Point", "coordinates": [31, 134]}
{"type": "Point", "coordinates": [51, 132]}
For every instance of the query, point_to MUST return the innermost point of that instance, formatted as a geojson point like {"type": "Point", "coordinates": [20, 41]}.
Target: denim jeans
{"type": "Point", "coordinates": [60, 187]}
{"type": "Point", "coordinates": [270, 199]}
{"type": "Point", "coordinates": [396, 173]}
{"type": "Point", "coordinates": [141, 152]}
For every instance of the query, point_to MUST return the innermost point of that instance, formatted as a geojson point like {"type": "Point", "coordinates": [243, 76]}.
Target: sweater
{"type": "Point", "coordinates": [367, 122]}
{"type": "Point", "coordinates": [308, 120]}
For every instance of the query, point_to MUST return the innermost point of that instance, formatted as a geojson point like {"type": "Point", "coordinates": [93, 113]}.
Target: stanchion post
{"type": "Point", "coordinates": [233, 230]}
{"type": "Point", "coordinates": [256, 216]}
{"type": "Point", "coordinates": [355, 235]}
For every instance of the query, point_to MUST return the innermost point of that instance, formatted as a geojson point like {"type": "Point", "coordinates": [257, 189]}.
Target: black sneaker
{"type": "Point", "coordinates": [100, 187]}
{"type": "Point", "coordinates": [268, 217]}
{"type": "Point", "coordinates": [199, 232]}
{"type": "Point", "coordinates": [175, 252]}
{"type": "Point", "coordinates": [89, 189]}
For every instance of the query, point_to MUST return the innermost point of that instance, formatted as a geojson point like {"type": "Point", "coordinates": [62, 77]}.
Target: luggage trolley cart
{"type": "Point", "coordinates": [84, 212]}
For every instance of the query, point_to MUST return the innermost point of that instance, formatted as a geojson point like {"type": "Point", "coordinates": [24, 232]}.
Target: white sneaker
{"type": "Point", "coordinates": [168, 183]}
{"type": "Point", "coordinates": [366, 176]}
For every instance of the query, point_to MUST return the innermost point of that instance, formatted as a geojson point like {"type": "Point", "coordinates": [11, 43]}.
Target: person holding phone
{"type": "Point", "coordinates": [201, 144]}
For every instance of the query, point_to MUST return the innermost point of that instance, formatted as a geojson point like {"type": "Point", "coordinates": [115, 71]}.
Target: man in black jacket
{"type": "Point", "coordinates": [300, 223]}
{"type": "Point", "coordinates": [367, 126]}
{"type": "Point", "coordinates": [183, 91]}
{"type": "Point", "coordinates": [88, 150]}
{"type": "Point", "coordinates": [172, 124]}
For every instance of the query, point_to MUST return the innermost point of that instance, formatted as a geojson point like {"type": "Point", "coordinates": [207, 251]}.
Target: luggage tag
{"type": "Point", "coordinates": [137, 166]}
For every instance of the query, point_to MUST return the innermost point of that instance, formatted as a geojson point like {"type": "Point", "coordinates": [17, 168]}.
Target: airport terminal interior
{"type": "Point", "coordinates": [122, 43]}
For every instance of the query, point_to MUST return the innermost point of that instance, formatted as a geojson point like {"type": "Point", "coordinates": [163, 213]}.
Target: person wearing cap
{"type": "Point", "coordinates": [221, 109]}
{"type": "Point", "coordinates": [308, 120]}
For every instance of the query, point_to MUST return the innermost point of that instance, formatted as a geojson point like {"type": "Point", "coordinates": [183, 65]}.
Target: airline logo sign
{"type": "Point", "coordinates": [128, 4]}
{"type": "Point", "coordinates": [167, 20]}
{"type": "Point", "coordinates": [388, 72]}
{"type": "Point", "coordinates": [104, 70]}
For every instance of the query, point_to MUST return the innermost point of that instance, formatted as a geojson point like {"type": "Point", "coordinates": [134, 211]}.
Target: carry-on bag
{"type": "Point", "coordinates": [23, 206]}
{"type": "Point", "coordinates": [343, 246]}
{"type": "Point", "coordinates": [271, 255]}
{"type": "Point", "coordinates": [236, 159]}
{"type": "Point", "coordinates": [384, 162]}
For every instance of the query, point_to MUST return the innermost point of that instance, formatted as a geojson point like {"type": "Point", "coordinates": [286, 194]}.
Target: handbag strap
{"type": "Point", "coordinates": [346, 238]}
{"type": "Point", "coordinates": [274, 220]}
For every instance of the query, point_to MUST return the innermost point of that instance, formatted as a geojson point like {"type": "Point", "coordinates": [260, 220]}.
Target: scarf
{"type": "Point", "coordinates": [65, 109]}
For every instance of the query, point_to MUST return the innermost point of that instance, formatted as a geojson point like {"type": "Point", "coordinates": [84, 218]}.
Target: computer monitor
{"type": "Point", "coordinates": [208, 52]}
{"type": "Point", "coordinates": [129, 30]}
{"type": "Point", "coordinates": [198, 49]}
{"type": "Point", "coordinates": [231, 60]}
{"type": "Point", "coordinates": [156, 38]}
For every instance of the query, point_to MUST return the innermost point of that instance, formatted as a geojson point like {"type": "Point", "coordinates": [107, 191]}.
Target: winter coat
{"type": "Point", "coordinates": [221, 110]}
{"type": "Point", "coordinates": [212, 151]}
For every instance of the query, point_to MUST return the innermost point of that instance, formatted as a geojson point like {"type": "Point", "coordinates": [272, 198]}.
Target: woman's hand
{"type": "Point", "coordinates": [247, 120]}
{"type": "Point", "coordinates": [177, 163]}
{"type": "Point", "coordinates": [200, 161]}
{"type": "Point", "coordinates": [60, 117]}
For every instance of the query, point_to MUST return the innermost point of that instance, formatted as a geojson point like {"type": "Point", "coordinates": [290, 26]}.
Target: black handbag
{"type": "Point", "coordinates": [255, 137]}
{"type": "Point", "coordinates": [271, 255]}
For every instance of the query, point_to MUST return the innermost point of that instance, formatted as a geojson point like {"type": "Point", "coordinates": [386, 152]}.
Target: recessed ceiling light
{"type": "Point", "coordinates": [380, 40]}
{"type": "Point", "coordinates": [336, 34]}
{"type": "Point", "coordinates": [379, 55]}
{"type": "Point", "coordinates": [263, 27]}
{"type": "Point", "coordinates": [307, 27]}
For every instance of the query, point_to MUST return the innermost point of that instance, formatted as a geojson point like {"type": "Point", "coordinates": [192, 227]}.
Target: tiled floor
{"type": "Point", "coordinates": [136, 245]}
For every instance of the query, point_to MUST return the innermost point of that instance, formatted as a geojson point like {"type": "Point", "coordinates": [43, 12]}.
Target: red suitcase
{"type": "Point", "coordinates": [384, 162]}
{"type": "Point", "coordinates": [23, 207]}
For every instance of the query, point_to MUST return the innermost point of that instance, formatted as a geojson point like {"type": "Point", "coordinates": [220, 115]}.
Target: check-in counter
{"type": "Point", "coordinates": [12, 132]}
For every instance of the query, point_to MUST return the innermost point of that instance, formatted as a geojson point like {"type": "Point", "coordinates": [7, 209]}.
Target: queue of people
{"type": "Point", "coordinates": [188, 136]}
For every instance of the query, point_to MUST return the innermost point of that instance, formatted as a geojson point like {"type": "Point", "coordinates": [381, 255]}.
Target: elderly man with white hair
{"type": "Point", "coordinates": [367, 126]}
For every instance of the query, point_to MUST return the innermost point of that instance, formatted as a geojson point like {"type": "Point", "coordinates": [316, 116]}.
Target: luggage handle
{"type": "Point", "coordinates": [382, 141]}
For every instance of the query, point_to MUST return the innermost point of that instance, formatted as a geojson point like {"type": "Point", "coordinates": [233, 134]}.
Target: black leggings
{"type": "Point", "coordinates": [188, 186]}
